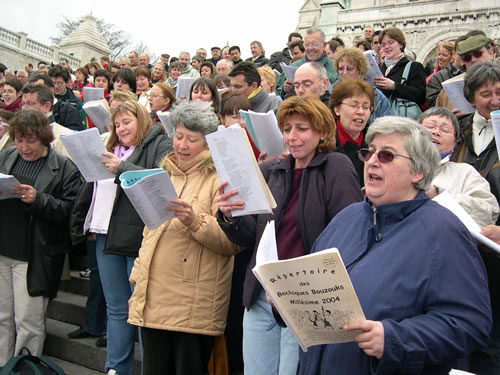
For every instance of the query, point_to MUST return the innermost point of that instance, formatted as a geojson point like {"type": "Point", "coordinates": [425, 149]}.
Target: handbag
{"type": "Point", "coordinates": [404, 107]}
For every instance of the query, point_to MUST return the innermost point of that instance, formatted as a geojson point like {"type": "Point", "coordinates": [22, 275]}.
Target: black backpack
{"type": "Point", "coordinates": [28, 364]}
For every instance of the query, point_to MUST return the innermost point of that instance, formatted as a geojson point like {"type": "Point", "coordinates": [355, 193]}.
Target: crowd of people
{"type": "Point", "coordinates": [365, 159]}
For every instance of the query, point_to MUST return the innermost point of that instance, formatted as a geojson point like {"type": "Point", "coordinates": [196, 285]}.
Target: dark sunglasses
{"type": "Point", "coordinates": [383, 156]}
{"type": "Point", "coordinates": [468, 56]}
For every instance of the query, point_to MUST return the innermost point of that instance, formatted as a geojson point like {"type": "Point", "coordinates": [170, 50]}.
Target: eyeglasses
{"type": "Point", "coordinates": [468, 56]}
{"type": "Point", "coordinates": [313, 45]}
{"type": "Point", "coordinates": [390, 42]}
{"type": "Point", "coordinates": [156, 96]}
{"type": "Point", "coordinates": [444, 128]}
{"type": "Point", "coordinates": [306, 84]}
{"type": "Point", "coordinates": [346, 68]}
{"type": "Point", "coordinates": [356, 105]}
{"type": "Point", "coordinates": [383, 156]}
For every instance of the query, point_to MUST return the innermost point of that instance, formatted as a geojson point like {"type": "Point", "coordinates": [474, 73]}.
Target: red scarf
{"type": "Point", "coordinates": [155, 116]}
{"type": "Point", "coordinates": [15, 106]}
{"type": "Point", "coordinates": [345, 137]}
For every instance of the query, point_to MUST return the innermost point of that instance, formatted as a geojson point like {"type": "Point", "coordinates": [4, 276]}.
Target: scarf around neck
{"type": "Point", "coordinates": [346, 137]}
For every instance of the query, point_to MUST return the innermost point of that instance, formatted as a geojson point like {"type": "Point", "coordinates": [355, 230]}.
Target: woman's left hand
{"type": "Point", "coordinates": [27, 193]}
{"type": "Point", "coordinates": [371, 339]}
{"type": "Point", "coordinates": [183, 211]}
{"type": "Point", "coordinates": [384, 83]}
{"type": "Point", "coordinates": [111, 162]}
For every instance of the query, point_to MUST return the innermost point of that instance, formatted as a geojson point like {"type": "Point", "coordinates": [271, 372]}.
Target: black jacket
{"type": "Point", "coordinates": [66, 115]}
{"type": "Point", "coordinates": [280, 57]}
{"type": "Point", "coordinates": [414, 89]}
{"type": "Point", "coordinates": [329, 183]}
{"type": "Point", "coordinates": [125, 229]}
{"type": "Point", "coordinates": [261, 61]}
{"type": "Point", "coordinates": [57, 186]}
{"type": "Point", "coordinates": [435, 86]}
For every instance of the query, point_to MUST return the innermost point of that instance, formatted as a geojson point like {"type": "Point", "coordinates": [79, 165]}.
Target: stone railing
{"type": "Point", "coordinates": [33, 48]}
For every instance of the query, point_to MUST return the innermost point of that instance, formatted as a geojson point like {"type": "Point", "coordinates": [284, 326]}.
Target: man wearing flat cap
{"type": "Point", "coordinates": [474, 49]}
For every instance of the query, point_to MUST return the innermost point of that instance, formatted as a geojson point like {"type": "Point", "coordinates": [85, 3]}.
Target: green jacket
{"type": "Point", "coordinates": [325, 61]}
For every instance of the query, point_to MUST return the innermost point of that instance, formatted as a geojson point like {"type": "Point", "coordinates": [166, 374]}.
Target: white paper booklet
{"type": "Point", "coordinates": [99, 113]}
{"type": "Point", "coordinates": [92, 93]}
{"type": "Point", "coordinates": [235, 163]}
{"type": "Point", "coordinates": [454, 88]}
{"type": "Point", "coordinates": [165, 121]}
{"type": "Point", "coordinates": [183, 87]}
{"type": "Point", "coordinates": [8, 183]}
{"type": "Point", "coordinates": [446, 200]}
{"type": "Point", "coordinates": [289, 71]}
{"type": "Point", "coordinates": [313, 293]}
{"type": "Point", "coordinates": [150, 191]}
{"type": "Point", "coordinates": [373, 68]}
{"type": "Point", "coordinates": [265, 127]}
{"type": "Point", "coordinates": [495, 120]}
{"type": "Point", "coordinates": [85, 149]}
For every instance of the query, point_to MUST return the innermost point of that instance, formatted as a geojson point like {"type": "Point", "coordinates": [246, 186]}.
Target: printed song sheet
{"type": "Point", "coordinates": [495, 120]}
{"type": "Point", "coordinates": [92, 93]}
{"type": "Point", "coordinates": [313, 294]}
{"type": "Point", "coordinates": [265, 127]}
{"type": "Point", "coordinates": [150, 191]}
{"type": "Point", "coordinates": [7, 183]}
{"type": "Point", "coordinates": [235, 163]}
{"type": "Point", "coordinates": [165, 121]}
{"type": "Point", "coordinates": [373, 69]}
{"type": "Point", "coordinates": [289, 71]}
{"type": "Point", "coordinates": [454, 88]}
{"type": "Point", "coordinates": [85, 149]}
{"type": "Point", "coordinates": [183, 87]}
{"type": "Point", "coordinates": [99, 113]}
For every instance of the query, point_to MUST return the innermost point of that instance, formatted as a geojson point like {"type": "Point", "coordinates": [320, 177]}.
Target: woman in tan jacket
{"type": "Point", "coordinates": [183, 273]}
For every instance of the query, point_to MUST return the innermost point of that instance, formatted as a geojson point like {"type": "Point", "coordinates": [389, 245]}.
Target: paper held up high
{"type": "Point", "coordinates": [495, 120]}
{"type": "Point", "coordinates": [85, 149]}
{"type": "Point", "coordinates": [454, 88]}
{"type": "Point", "coordinates": [446, 200]}
{"type": "Point", "coordinates": [289, 71]}
{"type": "Point", "coordinates": [165, 121]}
{"type": "Point", "coordinates": [92, 93]}
{"type": "Point", "coordinates": [183, 87]}
{"type": "Point", "coordinates": [263, 128]}
{"type": "Point", "coordinates": [8, 183]}
{"type": "Point", "coordinates": [373, 69]}
{"type": "Point", "coordinates": [312, 293]}
{"type": "Point", "coordinates": [235, 163]}
{"type": "Point", "coordinates": [99, 113]}
{"type": "Point", "coordinates": [150, 191]}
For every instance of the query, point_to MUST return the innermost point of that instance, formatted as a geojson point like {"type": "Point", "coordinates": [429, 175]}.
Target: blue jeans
{"type": "Point", "coordinates": [95, 309]}
{"type": "Point", "coordinates": [267, 350]}
{"type": "Point", "coordinates": [115, 272]}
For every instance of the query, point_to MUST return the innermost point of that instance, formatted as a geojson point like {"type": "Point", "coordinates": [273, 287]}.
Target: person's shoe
{"type": "Point", "coordinates": [112, 372]}
{"type": "Point", "coordinates": [102, 342]}
{"type": "Point", "coordinates": [85, 274]}
{"type": "Point", "coordinates": [80, 333]}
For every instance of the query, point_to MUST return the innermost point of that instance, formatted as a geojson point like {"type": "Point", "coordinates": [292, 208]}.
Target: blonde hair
{"type": "Point", "coordinates": [269, 75]}
{"type": "Point", "coordinates": [144, 123]}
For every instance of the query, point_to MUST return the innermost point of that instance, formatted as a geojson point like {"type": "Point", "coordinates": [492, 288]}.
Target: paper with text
{"type": "Point", "coordinates": [235, 163]}
{"type": "Point", "coordinates": [8, 183]}
{"type": "Point", "coordinates": [85, 149]}
{"type": "Point", "coordinates": [314, 296]}
{"type": "Point", "coordinates": [454, 88]}
{"type": "Point", "coordinates": [289, 71]}
{"type": "Point", "coordinates": [92, 93]}
{"type": "Point", "coordinates": [267, 251]}
{"type": "Point", "coordinates": [265, 127]}
{"type": "Point", "coordinates": [165, 121]}
{"type": "Point", "coordinates": [99, 113]}
{"type": "Point", "coordinates": [150, 191]}
{"type": "Point", "coordinates": [495, 120]}
{"type": "Point", "coordinates": [183, 87]}
{"type": "Point", "coordinates": [373, 68]}
{"type": "Point", "coordinates": [446, 200]}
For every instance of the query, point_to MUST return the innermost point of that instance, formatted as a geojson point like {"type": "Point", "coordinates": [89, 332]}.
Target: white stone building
{"type": "Point", "coordinates": [424, 22]}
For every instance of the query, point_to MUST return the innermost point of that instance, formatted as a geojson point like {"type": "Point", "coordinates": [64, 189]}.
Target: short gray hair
{"type": "Point", "coordinates": [319, 68]}
{"type": "Point", "coordinates": [185, 53]}
{"type": "Point", "coordinates": [195, 116]}
{"type": "Point", "coordinates": [314, 30]}
{"type": "Point", "coordinates": [479, 74]}
{"type": "Point", "coordinates": [441, 112]}
{"type": "Point", "coordinates": [424, 156]}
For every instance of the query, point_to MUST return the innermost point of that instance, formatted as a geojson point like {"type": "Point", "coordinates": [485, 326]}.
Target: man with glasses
{"type": "Point", "coordinates": [311, 78]}
{"type": "Point", "coordinates": [475, 49]}
{"type": "Point", "coordinates": [315, 44]}
{"type": "Point", "coordinates": [60, 78]}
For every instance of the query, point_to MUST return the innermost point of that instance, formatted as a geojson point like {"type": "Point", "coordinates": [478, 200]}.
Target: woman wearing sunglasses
{"type": "Point", "coordinates": [351, 103]}
{"type": "Point", "coordinates": [415, 268]}
{"type": "Point", "coordinates": [310, 186]}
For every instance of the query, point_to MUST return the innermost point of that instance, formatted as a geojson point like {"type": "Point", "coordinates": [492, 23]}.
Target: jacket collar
{"type": "Point", "coordinates": [288, 162]}
{"type": "Point", "coordinates": [150, 136]}
{"type": "Point", "coordinates": [396, 212]}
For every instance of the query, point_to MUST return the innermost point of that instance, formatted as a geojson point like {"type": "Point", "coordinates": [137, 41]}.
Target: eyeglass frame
{"type": "Point", "coordinates": [389, 158]}
{"type": "Point", "coordinates": [358, 105]}
{"type": "Point", "coordinates": [467, 57]}
{"type": "Point", "coordinates": [440, 127]}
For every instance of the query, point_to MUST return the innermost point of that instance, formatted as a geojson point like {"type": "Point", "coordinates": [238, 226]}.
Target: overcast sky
{"type": "Point", "coordinates": [167, 26]}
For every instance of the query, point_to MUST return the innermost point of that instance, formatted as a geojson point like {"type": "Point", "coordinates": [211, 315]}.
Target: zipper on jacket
{"type": "Point", "coordinates": [378, 233]}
